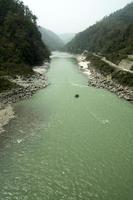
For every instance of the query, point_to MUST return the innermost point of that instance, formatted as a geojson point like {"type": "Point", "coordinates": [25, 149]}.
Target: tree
{"type": "Point", "coordinates": [20, 40]}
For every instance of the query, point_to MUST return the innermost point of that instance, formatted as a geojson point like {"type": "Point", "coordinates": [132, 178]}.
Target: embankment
{"type": "Point", "coordinates": [111, 77]}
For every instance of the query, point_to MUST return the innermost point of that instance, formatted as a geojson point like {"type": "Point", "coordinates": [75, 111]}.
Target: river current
{"type": "Point", "coordinates": [64, 148]}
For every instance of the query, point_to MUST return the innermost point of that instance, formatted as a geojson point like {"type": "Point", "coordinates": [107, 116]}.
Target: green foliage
{"type": "Point", "coordinates": [100, 66]}
{"type": "Point", "coordinates": [112, 36]}
{"type": "Point", "coordinates": [51, 39]}
{"type": "Point", "coordinates": [122, 77]}
{"type": "Point", "coordinates": [13, 69]}
{"type": "Point", "coordinates": [21, 46]}
{"type": "Point", "coordinates": [6, 84]}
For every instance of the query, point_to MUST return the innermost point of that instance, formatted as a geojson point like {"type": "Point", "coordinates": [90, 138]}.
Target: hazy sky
{"type": "Point", "coordinates": [63, 16]}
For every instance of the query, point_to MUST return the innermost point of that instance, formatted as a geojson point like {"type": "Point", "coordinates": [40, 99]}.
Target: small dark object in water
{"type": "Point", "coordinates": [77, 96]}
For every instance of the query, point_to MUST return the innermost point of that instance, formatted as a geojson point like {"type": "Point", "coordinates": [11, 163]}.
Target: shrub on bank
{"type": "Point", "coordinates": [6, 85]}
{"type": "Point", "coordinates": [122, 77]}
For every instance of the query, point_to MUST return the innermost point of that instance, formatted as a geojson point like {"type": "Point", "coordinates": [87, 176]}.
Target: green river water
{"type": "Point", "coordinates": [62, 148]}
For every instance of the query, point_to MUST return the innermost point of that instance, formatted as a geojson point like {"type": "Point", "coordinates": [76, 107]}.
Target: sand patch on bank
{"type": "Point", "coordinates": [84, 65]}
{"type": "Point", "coordinates": [6, 114]}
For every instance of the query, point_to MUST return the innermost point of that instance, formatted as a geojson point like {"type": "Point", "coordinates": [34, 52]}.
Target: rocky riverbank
{"type": "Point", "coordinates": [98, 80]}
{"type": "Point", "coordinates": [26, 87]}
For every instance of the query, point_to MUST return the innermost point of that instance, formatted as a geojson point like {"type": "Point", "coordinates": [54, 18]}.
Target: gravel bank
{"type": "Point", "coordinates": [98, 80]}
{"type": "Point", "coordinates": [26, 87]}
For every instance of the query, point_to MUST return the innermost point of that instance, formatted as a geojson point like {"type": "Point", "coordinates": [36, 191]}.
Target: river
{"type": "Point", "coordinates": [64, 148]}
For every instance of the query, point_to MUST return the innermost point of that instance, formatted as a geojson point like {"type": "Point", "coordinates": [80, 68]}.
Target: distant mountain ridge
{"type": "Point", "coordinates": [112, 36]}
{"type": "Point", "coordinates": [51, 39]}
{"type": "Point", "coordinates": [67, 37]}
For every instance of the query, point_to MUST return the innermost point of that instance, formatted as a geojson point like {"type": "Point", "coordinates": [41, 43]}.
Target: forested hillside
{"type": "Point", "coordinates": [112, 36]}
{"type": "Point", "coordinates": [51, 39]}
{"type": "Point", "coordinates": [21, 46]}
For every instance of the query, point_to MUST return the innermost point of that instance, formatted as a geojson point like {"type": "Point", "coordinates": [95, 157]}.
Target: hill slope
{"type": "Point", "coordinates": [21, 46]}
{"type": "Point", "coordinates": [67, 37]}
{"type": "Point", "coordinates": [51, 39]}
{"type": "Point", "coordinates": [112, 36]}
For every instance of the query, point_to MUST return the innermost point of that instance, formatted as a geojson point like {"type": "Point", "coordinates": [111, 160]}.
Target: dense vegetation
{"type": "Point", "coordinates": [5, 84]}
{"type": "Point", "coordinates": [112, 36]}
{"type": "Point", "coordinates": [21, 46]}
{"type": "Point", "coordinates": [51, 39]}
